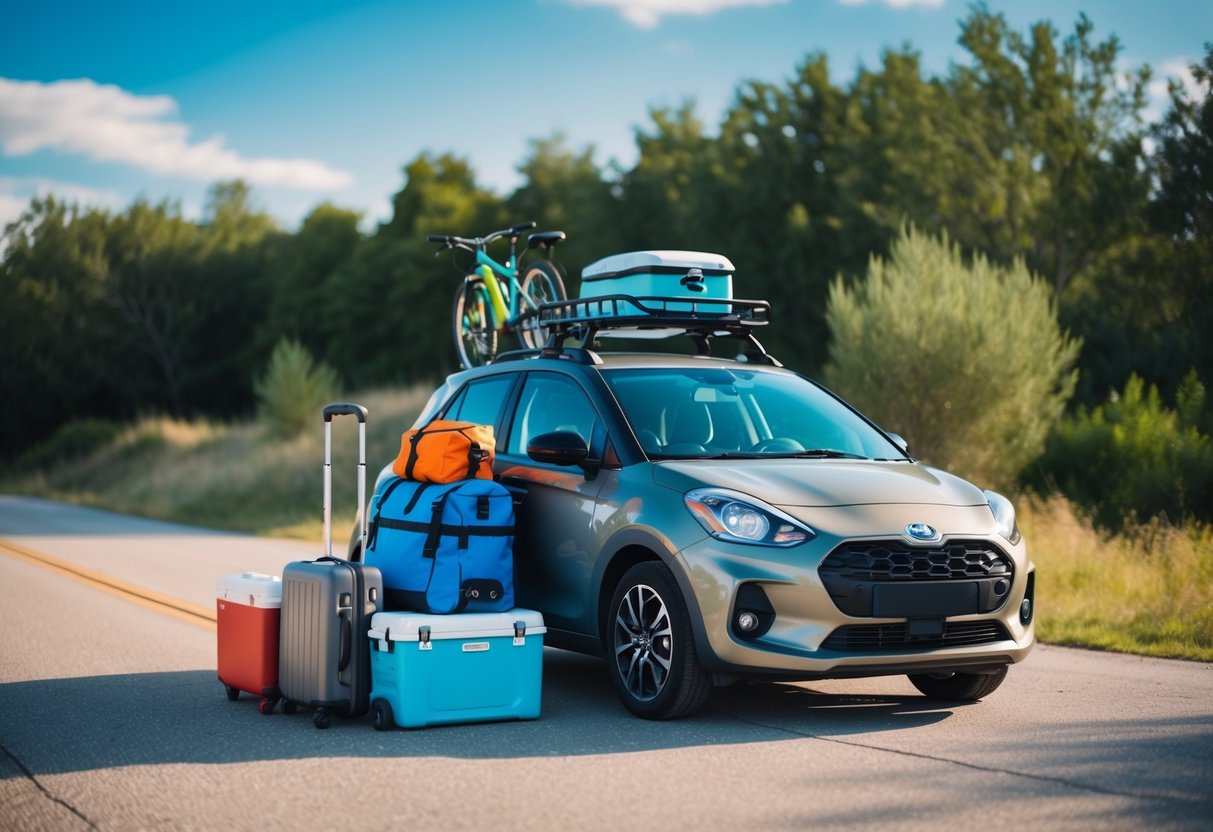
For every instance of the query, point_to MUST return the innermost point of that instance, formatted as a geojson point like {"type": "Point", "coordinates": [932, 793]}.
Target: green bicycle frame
{"type": "Point", "coordinates": [489, 269]}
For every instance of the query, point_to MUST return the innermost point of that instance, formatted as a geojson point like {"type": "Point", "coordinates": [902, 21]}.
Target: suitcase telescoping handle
{"type": "Point", "coordinates": [343, 409]}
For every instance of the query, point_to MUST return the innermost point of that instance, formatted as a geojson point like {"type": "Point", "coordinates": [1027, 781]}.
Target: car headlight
{"type": "Point", "coordinates": [1004, 516]}
{"type": "Point", "coordinates": [738, 518]}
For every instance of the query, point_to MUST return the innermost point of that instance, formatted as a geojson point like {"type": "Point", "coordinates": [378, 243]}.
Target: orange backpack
{"type": "Point", "coordinates": [446, 451]}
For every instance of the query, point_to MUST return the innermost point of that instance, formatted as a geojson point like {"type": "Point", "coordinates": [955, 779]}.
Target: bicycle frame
{"type": "Point", "coordinates": [505, 309]}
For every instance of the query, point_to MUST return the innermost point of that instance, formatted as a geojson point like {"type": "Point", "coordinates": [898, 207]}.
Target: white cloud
{"type": "Point", "coordinates": [109, 124]}
{"type": "Point", "coordinates": [16, 193]}
{"type": "Point", "coordinates": [11, 207]}
{"type": "Point", "coordinates": [646, 14]}
{"type": "Point", "coordinates": [1158, 98]}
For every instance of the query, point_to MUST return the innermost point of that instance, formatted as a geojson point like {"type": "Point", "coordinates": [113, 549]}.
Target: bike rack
{"type": "Point", "coordinates": [700, 319]}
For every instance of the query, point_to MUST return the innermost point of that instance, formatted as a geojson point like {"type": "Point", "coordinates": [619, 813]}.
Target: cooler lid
{"type": "Point", "coordinates": [404, 626]}
{"type": "Point", "coordinates": [252, 589]}
{"type": "Point", "coordinates": [657, 261]}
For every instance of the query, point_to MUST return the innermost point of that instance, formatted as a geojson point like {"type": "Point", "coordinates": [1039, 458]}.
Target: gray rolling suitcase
{"type": "Point", "coordinates": [327, 604]}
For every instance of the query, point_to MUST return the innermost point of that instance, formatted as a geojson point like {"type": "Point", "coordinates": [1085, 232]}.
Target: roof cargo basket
{"type": "Point", "coordinates": [627, 316]}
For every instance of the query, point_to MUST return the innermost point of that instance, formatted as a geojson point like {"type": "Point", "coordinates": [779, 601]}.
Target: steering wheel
{"type": "Point", "coordinates": [778, 444]}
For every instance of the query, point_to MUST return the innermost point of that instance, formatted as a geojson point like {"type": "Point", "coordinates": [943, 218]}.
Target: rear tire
{"type": "Point", "coordinates": [542, 283]}
{"type": "Point", "coordinates": [651, 648]}
{"type": "Point", "coordinates": [475, 329]}
{"type": "Point", "coordinates": [958, 687]}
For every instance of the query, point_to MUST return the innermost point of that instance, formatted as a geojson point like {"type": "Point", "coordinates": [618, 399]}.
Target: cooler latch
{"type": "Point", "coordinates": [519, 633]}
{"type": "Point", "coordinates": [423, 638]}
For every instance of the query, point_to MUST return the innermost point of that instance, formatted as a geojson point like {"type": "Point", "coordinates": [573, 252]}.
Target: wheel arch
{"type": "Point", "coordinates": [635, 546]}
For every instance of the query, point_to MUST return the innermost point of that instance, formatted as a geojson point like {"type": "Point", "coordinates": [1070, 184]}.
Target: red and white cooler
{"type": "Point", "coordinates": [248, 608]}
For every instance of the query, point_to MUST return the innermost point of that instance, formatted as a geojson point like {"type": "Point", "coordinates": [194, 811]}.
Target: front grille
{"type": "Point", "coordinates": [893, 560]}
{"type": "Point", "coordinates": [873, 638]}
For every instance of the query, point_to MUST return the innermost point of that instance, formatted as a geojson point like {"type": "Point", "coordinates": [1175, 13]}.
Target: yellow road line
{"type": "Point", "coordinates": [202, 616]}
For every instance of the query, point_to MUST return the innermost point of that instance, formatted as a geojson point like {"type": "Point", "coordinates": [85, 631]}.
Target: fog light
{"type": "Point", "coordinates": [1025, 610]}
{"type": "Point", "coordinates": [747, 622]}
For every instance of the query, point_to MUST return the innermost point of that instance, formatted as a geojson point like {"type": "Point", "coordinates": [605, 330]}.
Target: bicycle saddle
{"type": "Point", "coordinates": [544, 239]}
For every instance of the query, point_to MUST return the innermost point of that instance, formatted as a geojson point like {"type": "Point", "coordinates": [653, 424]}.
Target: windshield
{"type": "Point", "coordinates": [689, 413]}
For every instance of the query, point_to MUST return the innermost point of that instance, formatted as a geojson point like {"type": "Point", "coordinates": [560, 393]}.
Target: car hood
{"type": "Point", "coordinates": [821, 483]}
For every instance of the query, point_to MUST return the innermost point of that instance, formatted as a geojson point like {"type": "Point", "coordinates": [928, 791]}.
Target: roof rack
{"type": "Point", "coordinates": [701, 319]}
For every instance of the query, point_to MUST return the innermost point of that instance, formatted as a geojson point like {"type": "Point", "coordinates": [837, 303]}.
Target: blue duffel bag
{"type": "Point", "coordinates": [443, 548]}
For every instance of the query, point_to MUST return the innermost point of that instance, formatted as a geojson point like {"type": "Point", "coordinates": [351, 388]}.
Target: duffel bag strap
{"type": "Point", "coordinates": [373, 531]}
{"type": "Point", "coordinates": [435, 532]}
{"type": "Point", "coordinates": [412, 463]}
{"type": "Point", "coordinates": [476, 455]}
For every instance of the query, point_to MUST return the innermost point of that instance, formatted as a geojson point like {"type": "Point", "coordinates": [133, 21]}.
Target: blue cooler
{"type": "Point", "coordinates": [694, 275]}
{"type": "Point", "coordinates": [469, 667]}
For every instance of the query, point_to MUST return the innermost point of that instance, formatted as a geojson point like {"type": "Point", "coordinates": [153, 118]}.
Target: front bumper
{"type": "Point", "coordinates": [804, 633]}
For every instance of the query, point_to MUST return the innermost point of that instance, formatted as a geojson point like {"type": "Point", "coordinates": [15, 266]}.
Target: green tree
{"type": "Point", "coordinates": [1046, 146]}
{"type": "Point", "coordinates": [303, 264]}
{"type": "Point", "coordinates": [565, 190]}
{"type": "Point", "coordinates": [1132, 458]}
{"type": "Point", "coordinates": [965, 360]}
{"type": "Point", "coordinates": [666, 194]}
{"type": "Point", "coordinates": [152, 285]}
{"type": "Point", "coordinates": [293, 389]}
{"type": "Point", "coordinates": [392, 302]}
{"type": "Point", "coordinates": [56, 356]}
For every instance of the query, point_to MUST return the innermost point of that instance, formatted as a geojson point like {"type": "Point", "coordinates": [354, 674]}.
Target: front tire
{"type": "Point", "coordinates": [475, 329]}
{"type": "Point", "coordinates": [541, 284]}
{"type": "Point", "coordinates": [958, 687]}
{"type": "Point", "coordinates": [652, 651]}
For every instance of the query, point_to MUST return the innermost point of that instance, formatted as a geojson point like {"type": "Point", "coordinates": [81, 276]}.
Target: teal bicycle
{"type": "Point", "coordinates": [495, 297]}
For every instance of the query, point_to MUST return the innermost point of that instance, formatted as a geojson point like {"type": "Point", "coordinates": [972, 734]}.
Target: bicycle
{"type": "Point", "coordinates": [493, 298]}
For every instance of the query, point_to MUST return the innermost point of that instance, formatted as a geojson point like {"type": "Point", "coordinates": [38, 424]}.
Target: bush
{"type": "Point", "coordinates": [76, 439]}
{"type": "Point", "coordinates": [294, 389]}
{"type": "Point", "coordinates": [1131, 458]}
{"type": "Point", "coordinates": [964, 360]}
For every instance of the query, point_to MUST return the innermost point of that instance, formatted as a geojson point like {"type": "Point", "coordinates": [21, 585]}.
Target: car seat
{"type": "Point", "coordinates": [690, 430]}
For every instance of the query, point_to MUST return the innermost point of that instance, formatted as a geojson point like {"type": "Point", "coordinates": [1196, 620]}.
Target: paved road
{"type": "Point", "coordinates": [111, 718]}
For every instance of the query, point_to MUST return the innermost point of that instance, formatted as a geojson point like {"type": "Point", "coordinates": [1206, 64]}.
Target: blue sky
{"type": "Point", "coordinates": [315, 100]}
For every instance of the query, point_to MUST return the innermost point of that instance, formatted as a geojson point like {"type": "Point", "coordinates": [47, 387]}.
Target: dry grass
{"type": "Point", "coordinates": [233, 477]}
{"type": "Point", "coordinates": [1148, 590]}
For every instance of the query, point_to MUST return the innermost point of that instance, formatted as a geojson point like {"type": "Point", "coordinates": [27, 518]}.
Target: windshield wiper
{"type": "Point", "coordinates": [822, 453]}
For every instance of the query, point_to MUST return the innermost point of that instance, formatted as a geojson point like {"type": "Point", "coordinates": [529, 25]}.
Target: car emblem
{"type": "Point", "coordinates": [922, 531]}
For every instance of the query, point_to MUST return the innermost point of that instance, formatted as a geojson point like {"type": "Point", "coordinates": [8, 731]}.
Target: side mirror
{"type": "Point", "coordinates": [900, 442]}
{"type": "Point", "coordinates": [561, 447]}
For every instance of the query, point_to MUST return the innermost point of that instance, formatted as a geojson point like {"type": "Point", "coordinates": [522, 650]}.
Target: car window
{"type": "Point", "coordinates": [551, 402]}
{"type": "Point", "coordinates": [481, 401]}
{"type": "Point", "coordinates": [692, 412]}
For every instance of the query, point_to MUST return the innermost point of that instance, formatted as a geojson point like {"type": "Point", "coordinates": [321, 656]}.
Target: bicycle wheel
{"type": "Point", "coordinates": [541, 284]}
{"type": "Point", "coordinates": [475, 331]}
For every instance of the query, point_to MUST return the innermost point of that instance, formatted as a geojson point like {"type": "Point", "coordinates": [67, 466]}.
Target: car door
{"type": "Point", "coordinates": [555, 505]}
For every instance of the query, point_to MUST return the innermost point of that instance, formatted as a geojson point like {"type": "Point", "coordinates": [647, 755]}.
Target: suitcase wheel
{"type": "Point", "coordinates": [322, 719]}
{"type": "Point", "coordinates": [232, 693]}
{"type": "Point", "coordinates": [381, 715]}
{"type": "Point", "coordinates": [289, 707]}
{"type": "Point", "coordinates": [267, 704]}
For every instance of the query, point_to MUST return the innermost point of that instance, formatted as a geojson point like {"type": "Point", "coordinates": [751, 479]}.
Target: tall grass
{"type": "Point", "coordinates": [241, 477]}
{"type": "Point", "coordinates": [1146, 590]}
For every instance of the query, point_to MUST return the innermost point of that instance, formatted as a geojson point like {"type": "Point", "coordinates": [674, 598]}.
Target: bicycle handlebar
{"type": "Point", "coordinates": [472, 243]}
